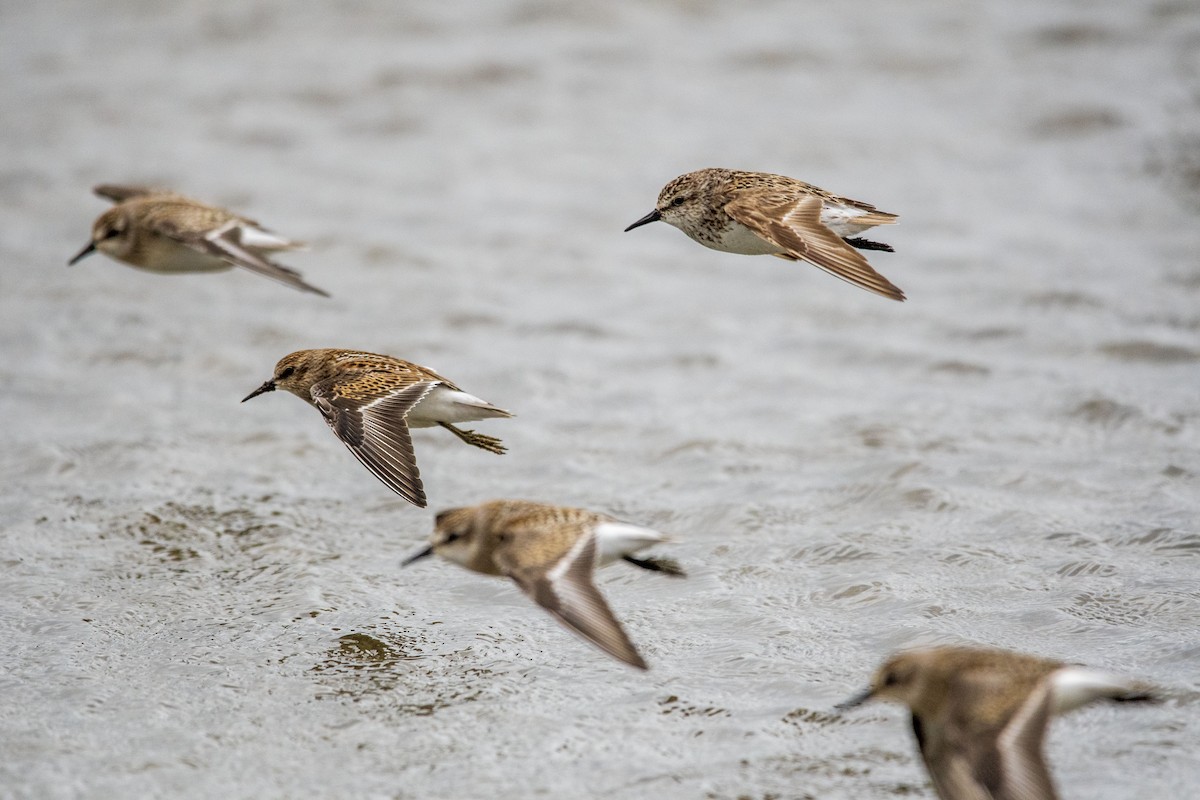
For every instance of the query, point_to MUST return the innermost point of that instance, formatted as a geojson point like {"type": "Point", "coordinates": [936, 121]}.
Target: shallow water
{"type": "Point", "coordinates": [203, 599]}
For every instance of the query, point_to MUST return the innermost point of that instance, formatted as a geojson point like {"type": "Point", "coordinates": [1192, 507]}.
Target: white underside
{"type": "Point", "coordinates": [264, 241]}
{"type": "Point", "coordinates": [737, 238]}
{"type": "Point", "coordinates": [164, 255]}
{"type": "Point", "coordinates": [617, 539]}
{"type": "Point", "coordinates": [1077, 686]}
{"type": "Point", "coordinates": [448, 405]}
{"type": "Point", "coordinates": [840, 220]}
{"type": "Point", "coordinates": [161, 254]}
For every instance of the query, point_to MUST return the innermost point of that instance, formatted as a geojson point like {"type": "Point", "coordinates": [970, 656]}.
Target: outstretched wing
{"type": "Point", "coordinates": [797, 228]}
{"type": "Point", "coordinates": [232, 239]}
{"type": "Point", "coordinates": [375, 431]}
{"type": "Point", "coordinates": [990, 741]}
{"type": "Point", "coordinates": [120, 192]}
{"type": "Point", "coordinates": [566, 589]}
{"type": "Point", "coordinates": [1023, 771]}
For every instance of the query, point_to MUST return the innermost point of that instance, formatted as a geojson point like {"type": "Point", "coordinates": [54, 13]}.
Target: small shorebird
{"type": "Point", "coordinates": [370, 401]}
{"type": "Point", "coordinates": [980, 715]}
{"type": "Point", "coordinates": [551, 552]}
{"type": "Point", "coordinates": [756, 213]}
{"type": "Point", "coordinates": [160, 231]}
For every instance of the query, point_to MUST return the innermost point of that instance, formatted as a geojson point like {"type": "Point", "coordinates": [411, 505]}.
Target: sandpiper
{"type": "Point", "coordinates": [980, 715]}
{"type": "Point", "coordinates": [161, 231]}
{"type": "Point", "coordinates": [756, 213]}
{"type": "Point", "coordinates": [551, 552]}
{"type": "Point", "coordinates": [370, 401]}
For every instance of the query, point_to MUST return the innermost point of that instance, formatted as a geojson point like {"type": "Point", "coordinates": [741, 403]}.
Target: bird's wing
{"type": "Point", "coordinates": [375, 431]}
{"type": "Point", "coordinates": [120, 192]}
{"type": "Point", "coordinates": [564, 587]}
{"type": "Point", "coordinates": [1023, 771]}
{"type": "Point", "coordinates": [945, 760]}
{"type": "Point", "coordinates": [228, 237]}
{"type": "Point", "coordinates": [796, 226]}
{"type": "Point", "coordinates": [989, 745]}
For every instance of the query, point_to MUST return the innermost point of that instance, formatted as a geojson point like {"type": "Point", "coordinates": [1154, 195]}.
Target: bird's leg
{"type": "Point", "coordinates": [489, 443]}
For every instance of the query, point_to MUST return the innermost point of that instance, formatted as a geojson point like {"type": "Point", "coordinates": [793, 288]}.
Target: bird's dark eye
{"type": "Point", "coordinates": [678, 201]}
{"type": "Point", "coordinates": [111, 233]}
{"type": "Point", "coordinates": [452, 537]}
{"type": "Point", "coordinates": [287, 373]}
{"type": "Point", "coordinates": [891, 679]}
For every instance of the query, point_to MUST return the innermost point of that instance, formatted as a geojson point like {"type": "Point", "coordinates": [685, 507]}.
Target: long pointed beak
{"type": "Point", "coordinates": [269, 386]}
{"type": "Point", "coordinates": [653, 216]}
{"type": "Point", "coordinates": [426, 553]}
{"type": "Point", "coordinates": [84, 253]}
{"type": "Point", "coordinates": [857, 700]}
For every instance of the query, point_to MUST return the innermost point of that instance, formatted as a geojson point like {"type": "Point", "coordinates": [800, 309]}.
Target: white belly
{"type": "Point", "coordinates": [737, 238]}
{"type": "Point", "coordinates": [448, 405]}
{"type": "Point", "coordinates": [615, 540]}
{"type": "Point", "coordinates": [164, 255]}
{"type": "Point", "coordinates": [1078, 686]}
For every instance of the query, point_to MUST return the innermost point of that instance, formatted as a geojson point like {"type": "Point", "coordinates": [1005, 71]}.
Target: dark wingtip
{"type": "Point", "coordinates": [653, 216]}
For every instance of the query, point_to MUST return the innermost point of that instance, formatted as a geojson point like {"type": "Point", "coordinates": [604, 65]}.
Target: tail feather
{"type": "Point", "coordinates": [265, 240]}
{"type": "Point", "coordinates": [876, 217]}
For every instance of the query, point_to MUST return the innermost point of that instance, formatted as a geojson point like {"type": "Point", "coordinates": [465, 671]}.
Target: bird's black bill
{"type": "Point", "coordinates": [653, 216]}
{"type": "Point", "coordinates": [426, 553]}
{"type": "Point", "coordinates": [856, 701]}
{"type": "Point", "coordinates": [82, 254]}
{"type": "Point", "coordinates": [269, 386]}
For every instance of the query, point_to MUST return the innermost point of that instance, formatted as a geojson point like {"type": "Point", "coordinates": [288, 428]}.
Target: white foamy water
{"type": "Point", "coordinates": [200, 598]}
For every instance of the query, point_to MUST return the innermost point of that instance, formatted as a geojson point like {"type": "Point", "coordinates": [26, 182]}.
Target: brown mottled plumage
{"type": "Point", "coordinates": [550, 552]}
{"type": "Point", "coordinates": [980, 715]}
{"type": "Point", "coordinates": [161, 231]}
{"type": "Point", "coordinates": [370, 401]}
{"type": "Point", "coordinates": [756, 213]}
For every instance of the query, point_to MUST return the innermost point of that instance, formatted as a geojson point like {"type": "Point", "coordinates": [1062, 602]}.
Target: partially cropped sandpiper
{"type": "Point", "coordinates": [980, 715]}
{"type": "Point", "coordinates": [756, 213]}
{"type": "Point", "coordinates": [370, 401]}
{"type": "Point", "coordinates": [161, 231]}
{"type": "Point", "coordinates": [550, 552]}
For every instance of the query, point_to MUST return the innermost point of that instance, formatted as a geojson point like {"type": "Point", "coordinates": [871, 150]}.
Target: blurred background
{"type": "Point", "coordinates": [200, 598]}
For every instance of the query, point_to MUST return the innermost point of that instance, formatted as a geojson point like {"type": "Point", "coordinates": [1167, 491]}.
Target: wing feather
{"type": "Point", "coordinates": [797, 228]}
{"type": "Point", "coordinates": [376, 433]}
{"type": "Point", "coordinates": [568, 593]}
{"type": "Point", "coordinates": [945, 761]}
{"type": "Point", "coordinates": [119, 193]}
{"type": "Point", "coordinates": [988, 742]}
{"type": "Point", "coordinates": [1023, 771]}
{"type": "Point", "coordinates": [223, 239]}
